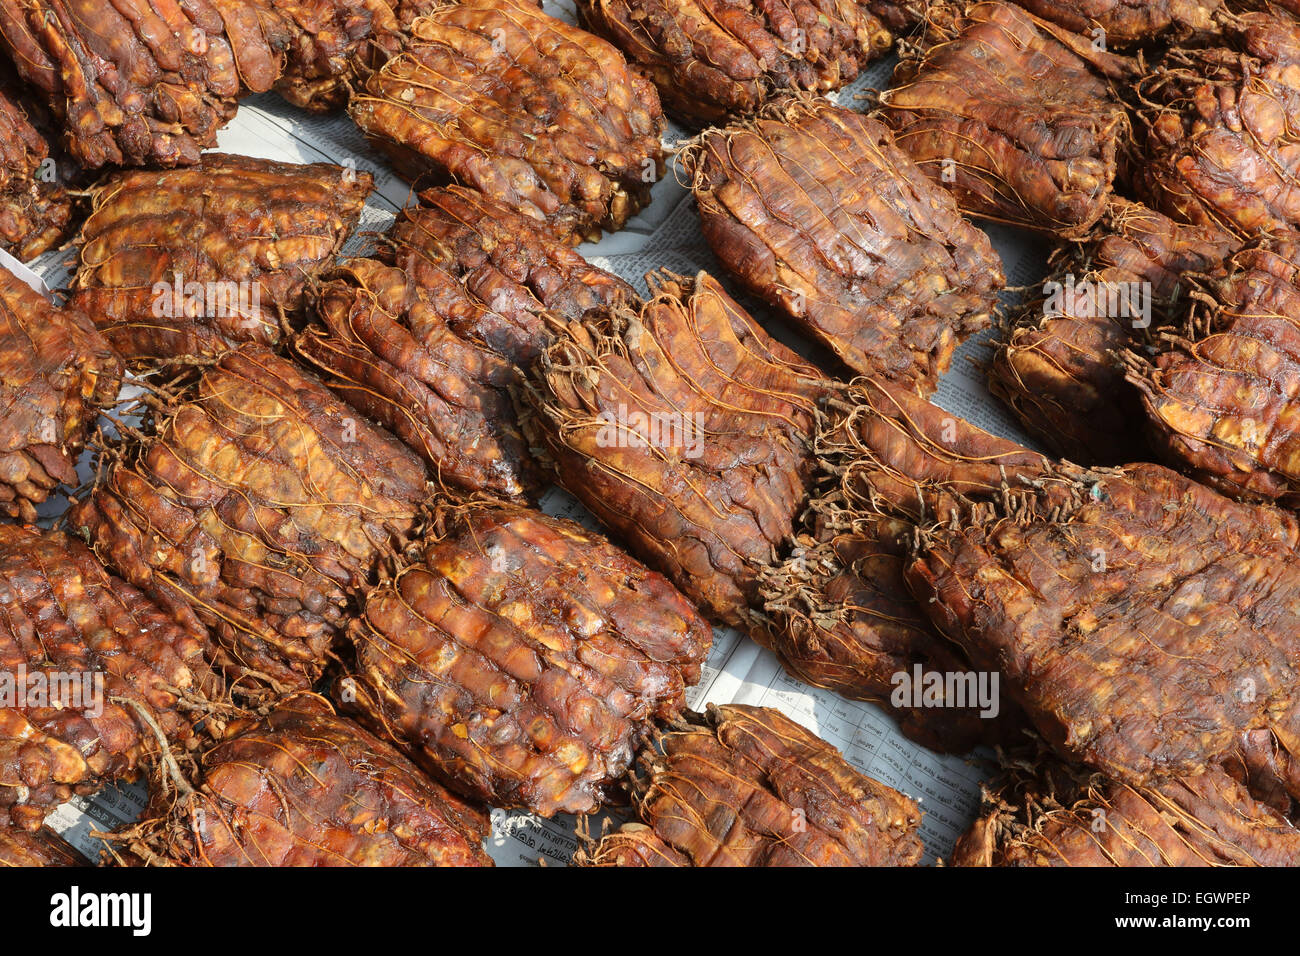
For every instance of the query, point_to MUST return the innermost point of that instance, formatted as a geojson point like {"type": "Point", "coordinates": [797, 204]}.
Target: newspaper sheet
{"type": "Point", "coordinates": [665, 235]}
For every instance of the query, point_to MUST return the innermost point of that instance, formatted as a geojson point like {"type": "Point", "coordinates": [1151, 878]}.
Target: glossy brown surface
{"type": "Point", "coordinates": [1217, 129]}
{"type": "Point", "coordinates": [189, 262]}
{"type": "Point", "coordinates": [746, 786]}
{"type": "Point", "coordinates": [1129, 22]}
{"type": "Point", "coordinates": [84, 653]}
{"type": "Point", "coordinates": [896, 452]}
{"type": "Point", "coordinates": [1267, 29]}
{"type": "Point", "coordinates": [146, 82]}
{"type": "Point", "coordinates": [1148, 246]}
{"type": "Point", "coordinates": [262, 506]}
{"type": "Point", "coordinates": [529, 110]}
{"type": "Point", "coordinates": [519, 278]}
{"type": "Point", "coordinates": [150, 83]}
{"type": "Point", "coordinates": [1267, 770]}
{"type": "Point", "coordinates": [843, 618]}
{"type": "Point", "coordinates": [1219, 399]}
{"type": "Point", "coordinates": [901, 16]}
{"type": "Point", "coordinates": [815, 210]}
{"type": "Point", "coordinates": [35, 211]}
{"type": "Point", "coordinates": [304, 787]}
{"type": "Point", "coordinates": [688, 431]}
{"type": "Point", "coordinates": [841, 615]}
{"type": "Point", "coordinates": [386, 346]}
{"type": "Point", "coordinates": [34, 219]}
{"type": "Point", "coordinates": [336, 43]}
{"type": "Point", "coordinates": [432, 345]}
{"type": "Point", "coordinates": [1143, 621]}
{"type": "Point", "coordinates": [42, 848]}
{"type": "Point", "coordinates": [1059, 365]}
{"type": "Point", "coordinates": [56, 371]}
{"type": "Point", "coordinates": [1203, 820]}
{"type": "Point", "coordinates": [1015, 115]}
{"type": "Point", "coordinates": [1059, 369]}
{"type": "Point", "coordinates": [713, 58]}
{"type": "Point", "coordinates": [523, 659]}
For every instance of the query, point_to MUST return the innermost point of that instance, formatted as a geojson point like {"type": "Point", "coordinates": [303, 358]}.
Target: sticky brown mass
{"type": "Point", "coordinates": [1217, 397]}
{"type": "Point", "coordinates": [335, 44]}
{"type": "Point", "coordinates": [35, 211]}
{"type": "Point", "coordinates": [149, 83]}
{"type": "Point", "coordinates": [524, 277]}
{"type": "Point", "coordinates": [1150, 247]}
{"type": "Point", "coordinates": [1267, 770]}
{"type": "Point", "coordinates": [142, 82]}
{"type": "Point", "coordinates": [711, 59]}
{"type": "Point", "coordinates": [56, 372]}
{"type": "Point", "coordinates": [688, 431]}
{"type": "Point", "coordinates": [1144, 622]}
{"type": "Point", "coordinates": [1125, 23]}
{"type": "Point", "coordinates": [1015, 115]}
{"type": "Point", "coordinates": [522, 659]}
{"type": "Point", "coordinates": [260, 505]}
{"type": "Point", "coordinates": [894, 452]}
{"type": "Point", "coordinates": [843, 619]}
{"type": "Point", "coordinates": [533, 112]}
{"type": "Point", "coordinates": [747, 786]}
{"type": "Point", "coordinates": [42, 848]}
{"type": "Point", "coordinates": [814, 209]}
{"type": "Point", "coordinates": [1216, 142]}
{"type": "Point", "coordinates": [1059, 369]}
{"type": "Point", "coordinates": [186, 263]}
{"type": "Point", "coordinates": [385, 348]}
{"type": "Point", "coordinates": [1060, 366]}
{"type": "Point", "coordinates": [64, 617]}
{"type": "Point", "coordinates": [1204, 820]}
{"type": "Point", "coordinates": [433, 346]}
{"type": "Point", "coordinates": [305, 787]}
{"type": "Point", "coordinates": [900, 16]}
{"type": "Point", "coordinates": [840, 613]}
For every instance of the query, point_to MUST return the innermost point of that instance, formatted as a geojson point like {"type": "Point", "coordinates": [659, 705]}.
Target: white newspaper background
{"type": "Point", "coordinates": [666, 235]}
